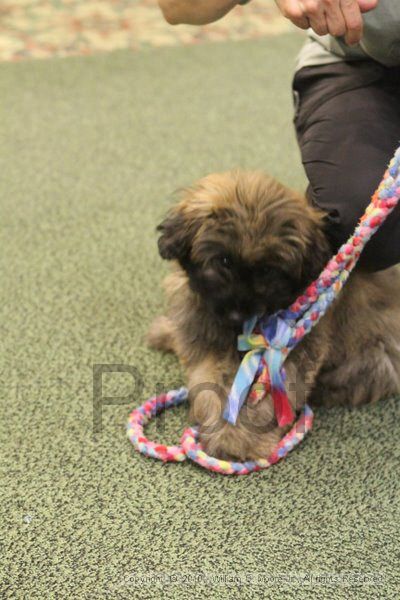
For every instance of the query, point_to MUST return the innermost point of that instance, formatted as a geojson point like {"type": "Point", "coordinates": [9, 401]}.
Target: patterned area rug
{"type": "Point", "coordinates": [45, 28]}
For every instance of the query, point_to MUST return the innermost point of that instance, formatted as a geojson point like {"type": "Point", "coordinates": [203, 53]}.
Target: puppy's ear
{"type": "Point", "coordinates": [183, 221]}
{"type": "Point", "coordinates": [176, 236]}
{"type": "Point", "coordinates": [318, 251]}
{"type": "Point", "coordinates": [177, 232]}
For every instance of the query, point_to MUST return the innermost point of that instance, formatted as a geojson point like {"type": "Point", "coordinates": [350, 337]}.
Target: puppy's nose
{"type": "Point", "coordinates": [236, 317]}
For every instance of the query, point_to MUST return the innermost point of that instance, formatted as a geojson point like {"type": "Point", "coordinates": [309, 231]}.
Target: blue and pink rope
{"type": "Point", "coordinates": [190, 448]}
{"type": "Point", "coordinates": [267, 342]}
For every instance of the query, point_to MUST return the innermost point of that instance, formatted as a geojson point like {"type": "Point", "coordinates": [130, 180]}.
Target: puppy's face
{"type": "Point", "coordinates": [248, 244]}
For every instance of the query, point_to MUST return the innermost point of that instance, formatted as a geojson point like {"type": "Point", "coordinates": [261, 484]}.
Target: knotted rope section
{"type": "Point", "coordinates": [267, 342]}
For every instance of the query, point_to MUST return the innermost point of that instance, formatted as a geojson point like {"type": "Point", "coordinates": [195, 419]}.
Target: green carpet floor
{"type": "Point", "coordinates": [91, 150]}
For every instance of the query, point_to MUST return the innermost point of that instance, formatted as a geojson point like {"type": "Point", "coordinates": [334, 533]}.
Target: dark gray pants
{"type": "Point", "coordinates": [347, 122]}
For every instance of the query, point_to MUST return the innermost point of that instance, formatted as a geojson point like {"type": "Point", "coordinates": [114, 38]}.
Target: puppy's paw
{"type": "Point", "coordinates": [224, 442]}
{"type": "Point", "coordinates": [230, 442]}
{"type": "Point", "coordinates": [160, 334]}
{"type": "Point", "coordinates": [266, 444]}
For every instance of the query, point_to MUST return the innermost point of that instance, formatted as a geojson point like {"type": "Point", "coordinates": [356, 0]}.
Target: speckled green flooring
{"type": "Point", "coordinates": [91, 150]}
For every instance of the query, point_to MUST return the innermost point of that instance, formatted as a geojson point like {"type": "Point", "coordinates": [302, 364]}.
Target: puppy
{"type": "Point", "coordinates": [242, 244]}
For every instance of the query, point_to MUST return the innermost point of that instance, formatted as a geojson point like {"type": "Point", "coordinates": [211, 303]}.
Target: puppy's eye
{"type": "Point", "coordinates": [263, 270]}
{"type": "Point", "coordinates": [225, 261]}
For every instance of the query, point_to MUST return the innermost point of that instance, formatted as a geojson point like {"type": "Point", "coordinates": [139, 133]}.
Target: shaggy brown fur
{"type": "Point", "coordinates": [242, 244]}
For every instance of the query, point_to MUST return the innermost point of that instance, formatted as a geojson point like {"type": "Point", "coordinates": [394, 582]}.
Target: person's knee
{"type": "Point", "coordinates": [344, 205]}
{"type": "Point", "coordinates": [383, 249]}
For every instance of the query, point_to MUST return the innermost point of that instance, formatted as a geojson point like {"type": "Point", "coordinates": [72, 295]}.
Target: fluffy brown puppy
{"type": "Point", "coordinates": [243, 244]}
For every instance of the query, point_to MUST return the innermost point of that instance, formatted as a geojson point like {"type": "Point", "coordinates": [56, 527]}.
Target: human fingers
{"type": "Point", "coordinates": [353, 19]}
{"type": "Point", "coordinates": [315, 12]}
{"type": "Point", "coordinates": [335, 18]}
{"type": "Point", "coordinates": [292, 10]}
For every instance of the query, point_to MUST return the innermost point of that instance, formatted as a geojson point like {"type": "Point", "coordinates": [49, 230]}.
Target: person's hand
{"type": "Point", "coordinates": [337, 17]}
{"type": "Point", "coordinates": [195, 12]}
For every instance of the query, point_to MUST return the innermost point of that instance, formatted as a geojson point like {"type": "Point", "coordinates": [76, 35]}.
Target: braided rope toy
{"type": "Point", "coordinates": [267, 342]}
{"type": "Point", "coordinates": [189, 446]}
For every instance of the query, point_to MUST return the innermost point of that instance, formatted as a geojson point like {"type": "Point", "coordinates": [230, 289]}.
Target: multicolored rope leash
{"type": "Point", "coordinates": [267, 342]}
